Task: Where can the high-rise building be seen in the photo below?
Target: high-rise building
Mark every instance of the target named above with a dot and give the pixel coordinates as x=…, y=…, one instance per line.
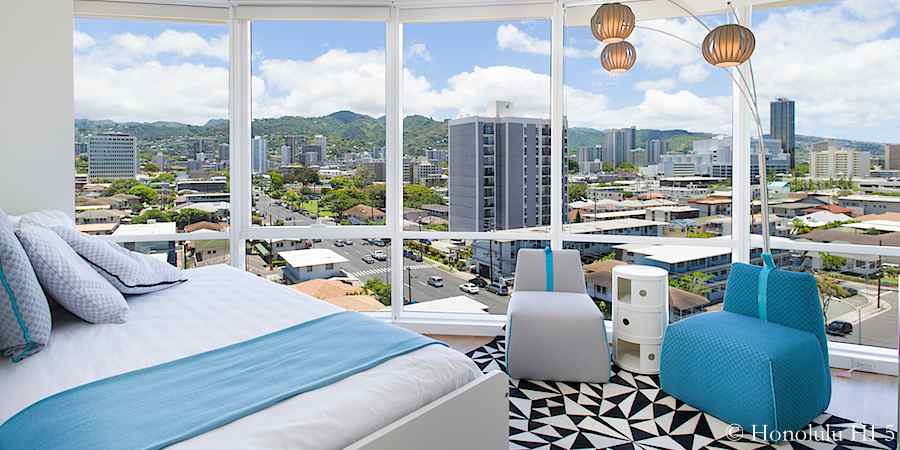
x=619, y=142
x=224, y=152
x=655, y=149
x=301, y=151
x=436, y=155
x=202, y=145
x=638, y=157
x=112, y=155
x=259, y=149
x=81, y=148
x=589, y=158
x=892, y=156
x=838, y=163
x=161, y=161
x=499, y=172
x=782, y=122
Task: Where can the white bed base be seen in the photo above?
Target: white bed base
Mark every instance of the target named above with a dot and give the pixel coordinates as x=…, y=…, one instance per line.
x=475, y=416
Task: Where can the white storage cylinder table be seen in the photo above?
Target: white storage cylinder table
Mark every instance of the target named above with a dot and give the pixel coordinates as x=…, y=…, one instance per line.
x=640, y=313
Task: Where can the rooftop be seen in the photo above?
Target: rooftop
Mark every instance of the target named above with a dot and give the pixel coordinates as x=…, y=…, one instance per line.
x=674, y=254
x=312, y=257
x=871, y=198
x=145, y=228
x=458, y=304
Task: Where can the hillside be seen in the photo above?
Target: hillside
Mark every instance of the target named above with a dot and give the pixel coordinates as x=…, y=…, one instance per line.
x=348, y=131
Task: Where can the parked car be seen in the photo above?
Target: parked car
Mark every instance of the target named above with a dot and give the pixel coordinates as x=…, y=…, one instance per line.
x=469, y=288
x=436, y=281
x=498, y=288
x=380, y=256
x=473, y=268
x=413, y=255
x=368, y=259
x=348, y=242
x=478, y=281
x=338, y=243
x=839, y=328
x=377, y=242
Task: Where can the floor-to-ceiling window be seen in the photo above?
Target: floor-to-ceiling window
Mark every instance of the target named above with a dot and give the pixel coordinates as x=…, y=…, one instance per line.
x=151, y=145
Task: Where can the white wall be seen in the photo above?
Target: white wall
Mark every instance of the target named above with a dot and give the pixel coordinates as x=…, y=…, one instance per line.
x=36, y=106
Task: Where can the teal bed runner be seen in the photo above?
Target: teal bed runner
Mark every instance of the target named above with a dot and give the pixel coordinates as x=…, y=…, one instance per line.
x=159, y=406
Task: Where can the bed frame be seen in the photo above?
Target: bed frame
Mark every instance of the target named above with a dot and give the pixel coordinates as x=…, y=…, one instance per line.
x=475, y=416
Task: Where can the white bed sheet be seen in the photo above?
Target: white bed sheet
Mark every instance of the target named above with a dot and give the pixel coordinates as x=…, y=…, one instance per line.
x=219, y=306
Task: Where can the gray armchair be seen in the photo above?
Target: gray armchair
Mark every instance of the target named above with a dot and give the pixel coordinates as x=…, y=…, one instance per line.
x=557, y=335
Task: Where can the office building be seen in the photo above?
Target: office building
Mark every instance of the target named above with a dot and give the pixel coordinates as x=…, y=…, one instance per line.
x=436, y=155
x=112, y=155
x=202, y=145
x=638, y=157
x=299, y=150
x=419, y=172
x=81, y=148
x=837, y=163
x=375, y=169
x=589, y=159
x=655, y=149
x=161, y=161
x=259, y=155
x=892, y=156
x=500, y=172
x=782, y=123
x=619, y=142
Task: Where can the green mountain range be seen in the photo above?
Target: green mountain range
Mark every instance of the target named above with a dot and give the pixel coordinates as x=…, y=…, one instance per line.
x=348, y=131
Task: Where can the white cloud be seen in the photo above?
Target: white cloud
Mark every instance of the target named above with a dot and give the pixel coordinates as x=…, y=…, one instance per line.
x=419, y=50
x=182, y=44
x=123, y=79
x=659, y=51
x=838, y=63
x=510, y=37
x=693, y=73
x=82, y=41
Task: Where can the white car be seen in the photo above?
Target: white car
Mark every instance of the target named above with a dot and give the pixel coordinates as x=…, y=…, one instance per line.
x=469, y=288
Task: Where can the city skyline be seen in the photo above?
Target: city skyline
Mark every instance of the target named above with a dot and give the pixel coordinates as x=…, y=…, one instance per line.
x=661, y=93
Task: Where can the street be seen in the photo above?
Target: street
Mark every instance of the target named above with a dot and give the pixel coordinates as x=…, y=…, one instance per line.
x=272, y=211
x=421, y=272
x=879, y=326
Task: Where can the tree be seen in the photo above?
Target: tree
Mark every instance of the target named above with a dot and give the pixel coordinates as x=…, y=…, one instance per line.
x=380, y=289
x=342, y=183
x=153, y=214
x=828, y=290
x=276, y=180
x=692, y=282
x=577, y=191
x=120, y=186
x=608, y=167
x=146, y=193
x=627, y=167
x=832, y=263
x=572, y=165
x=188, y=216
x=151, y=167
x=164, y=177
x=340, y=200
x=800, y=227
x=416, y=195
x=375, y=195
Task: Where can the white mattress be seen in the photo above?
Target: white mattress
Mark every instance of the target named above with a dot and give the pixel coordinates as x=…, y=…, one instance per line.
x=217, y=307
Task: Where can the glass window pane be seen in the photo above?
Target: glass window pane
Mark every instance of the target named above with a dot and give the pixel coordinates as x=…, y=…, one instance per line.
x=843, y=136
x=184, y=254
x=649, y=150
x=476, y=134
x=317, y=152
x=151, y=124
x=354, y=274
x=460, y=276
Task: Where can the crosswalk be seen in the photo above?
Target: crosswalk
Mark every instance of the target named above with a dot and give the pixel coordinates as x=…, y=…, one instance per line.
x=381, y=270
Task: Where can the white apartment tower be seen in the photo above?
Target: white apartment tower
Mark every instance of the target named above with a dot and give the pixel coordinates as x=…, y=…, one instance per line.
x=836, y=163
x=112, y=155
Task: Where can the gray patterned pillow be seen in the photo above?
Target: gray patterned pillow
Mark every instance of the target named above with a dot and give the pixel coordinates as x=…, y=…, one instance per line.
x=24, y=313
x=129, y=272
x=69, y=279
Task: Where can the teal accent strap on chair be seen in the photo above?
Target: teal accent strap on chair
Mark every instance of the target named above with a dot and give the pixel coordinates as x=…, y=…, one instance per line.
x=762, y=296
x=548, y=253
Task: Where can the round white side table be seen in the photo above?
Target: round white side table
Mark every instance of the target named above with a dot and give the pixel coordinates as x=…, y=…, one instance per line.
x=640, y=314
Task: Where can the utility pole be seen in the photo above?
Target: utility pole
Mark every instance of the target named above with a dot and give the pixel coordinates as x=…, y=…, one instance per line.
x=409, y=283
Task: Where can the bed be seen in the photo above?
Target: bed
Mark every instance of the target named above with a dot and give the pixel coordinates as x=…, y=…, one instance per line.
x=433, y=397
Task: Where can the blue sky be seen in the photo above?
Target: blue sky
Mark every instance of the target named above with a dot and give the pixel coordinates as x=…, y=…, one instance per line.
x=822, y=56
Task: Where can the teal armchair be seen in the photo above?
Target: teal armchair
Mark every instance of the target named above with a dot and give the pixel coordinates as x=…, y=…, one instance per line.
x=760, y=365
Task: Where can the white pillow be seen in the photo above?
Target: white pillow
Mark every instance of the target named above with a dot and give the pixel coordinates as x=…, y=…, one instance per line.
x=69, y=279
x=129, y=272
x=44, y=218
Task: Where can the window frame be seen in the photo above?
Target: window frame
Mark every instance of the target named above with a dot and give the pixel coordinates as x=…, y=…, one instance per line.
x=395, y=15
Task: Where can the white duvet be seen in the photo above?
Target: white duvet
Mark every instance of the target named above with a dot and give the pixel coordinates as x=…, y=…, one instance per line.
x=219, y=306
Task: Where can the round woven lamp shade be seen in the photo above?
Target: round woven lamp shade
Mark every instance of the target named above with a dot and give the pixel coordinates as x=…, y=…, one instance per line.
x=612, y=22
x=618, y=57
x=728, y=45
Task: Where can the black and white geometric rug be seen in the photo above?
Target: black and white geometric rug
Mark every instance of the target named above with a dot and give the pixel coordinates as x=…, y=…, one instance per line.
x=631, y=412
